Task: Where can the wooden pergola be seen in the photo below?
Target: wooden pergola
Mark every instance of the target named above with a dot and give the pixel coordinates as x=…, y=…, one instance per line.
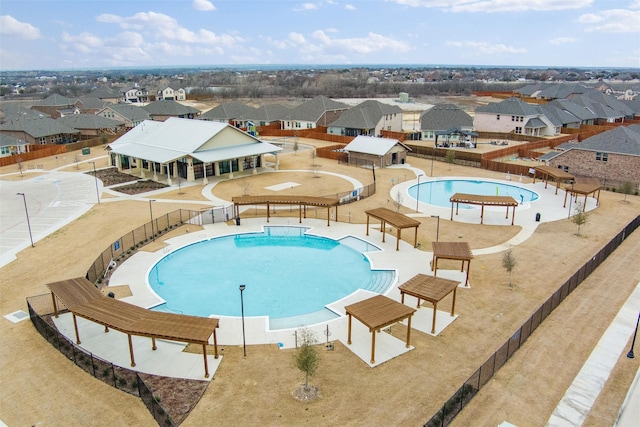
x=83, y=299
x=432, y=289
x=459, y=251
x=476, y=199
x=301, y=201
x=379, y=312
x=548, y=171
x=395, y=219
x=584, y=187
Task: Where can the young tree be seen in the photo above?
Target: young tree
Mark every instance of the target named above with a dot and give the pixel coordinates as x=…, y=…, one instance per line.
x=509, y=262
x=245, y=186
x=398, y=201
x=580, y=216
x=626, y=188
x=295, y=145
x=450, y=157
x=307, y=358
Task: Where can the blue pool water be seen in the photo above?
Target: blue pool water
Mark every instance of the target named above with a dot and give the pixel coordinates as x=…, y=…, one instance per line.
x=439, y=192
x=286, y=272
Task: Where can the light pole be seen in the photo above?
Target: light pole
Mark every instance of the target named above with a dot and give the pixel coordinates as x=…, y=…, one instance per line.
x=630, y=355
x=244, y=342
x=96, y=178
x=418, y=193
x=26, y=211
x=153, y=233
x=437, y=226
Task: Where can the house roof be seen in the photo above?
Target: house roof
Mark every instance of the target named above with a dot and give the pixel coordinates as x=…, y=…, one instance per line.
x=175, y=138
x=266, y=113
x=510, y=106
x=561, y=90
x=372, y=145
x=38, y=128
x=365, y=115
x=535, y=123
x=131, y=112
x=105, y=93
x=557, y=115
x=445, y=116
x=14, y=111
x=89, y=103
x=228, y=111
x=89, y=121
x=9, y=141
x=55, y=100
x=579, y=111
x=621, y=140
x=312, y=110
x=169, y=108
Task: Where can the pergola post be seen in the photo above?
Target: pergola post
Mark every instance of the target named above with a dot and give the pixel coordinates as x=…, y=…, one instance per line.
x=55, y=305
x=373, y=346
x=349, y=330
x=206, y=364
x=409, y=331
x=75, y=328
x=153, y=344
x=133, y=361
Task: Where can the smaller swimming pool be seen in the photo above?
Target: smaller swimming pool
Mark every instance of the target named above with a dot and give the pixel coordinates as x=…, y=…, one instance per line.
x=439, y=192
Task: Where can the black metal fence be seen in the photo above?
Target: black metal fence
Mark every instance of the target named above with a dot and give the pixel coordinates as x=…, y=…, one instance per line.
x=41, y=308
x=471, y=386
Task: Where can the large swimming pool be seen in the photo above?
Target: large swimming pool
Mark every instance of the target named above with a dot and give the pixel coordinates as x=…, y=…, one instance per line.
x=287, y=273
x=439, y=192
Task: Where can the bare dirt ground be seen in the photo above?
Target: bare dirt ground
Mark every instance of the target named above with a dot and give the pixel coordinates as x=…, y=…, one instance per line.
x=41, y=387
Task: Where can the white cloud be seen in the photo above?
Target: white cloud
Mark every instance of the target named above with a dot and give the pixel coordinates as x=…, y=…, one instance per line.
x=352, y=7
x=562, y=40
x=10, y=26
x=305, y=7
x=612, y=21
x=482, y=48
x=362, y=45
x=497, y=5
x=204, y=5
x=635, y=4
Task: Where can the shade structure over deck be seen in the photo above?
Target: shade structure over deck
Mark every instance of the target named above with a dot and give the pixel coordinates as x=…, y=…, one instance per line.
x=376, y=313
x=476, y=199
x=432, y=289
x=301, y=201
x=547, y=172
x=459, y=251
x=83, y=299
x=583, y=187
x=395, y=219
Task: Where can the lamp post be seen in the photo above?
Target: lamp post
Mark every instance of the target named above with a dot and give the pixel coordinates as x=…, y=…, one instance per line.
x=96, y=178
x=153, y=233
x=437, y=226
x=244, y=342
x=26, y=211
x=630, y=355
x=418, y=193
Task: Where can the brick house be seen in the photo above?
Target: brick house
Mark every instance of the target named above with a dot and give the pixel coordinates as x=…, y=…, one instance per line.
x=612, y=156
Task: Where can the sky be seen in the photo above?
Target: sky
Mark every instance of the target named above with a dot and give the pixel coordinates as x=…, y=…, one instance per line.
x=77, y=34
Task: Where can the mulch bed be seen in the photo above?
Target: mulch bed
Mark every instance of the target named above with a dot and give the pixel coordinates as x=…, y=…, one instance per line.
x=112, y=177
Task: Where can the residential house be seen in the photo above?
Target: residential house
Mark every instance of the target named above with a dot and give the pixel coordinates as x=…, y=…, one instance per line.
x=162, y=110
x=513, y=115
x=169, y=94
x=611, y=156
x=380, y=152
x=367, y=118
x=57, y=106
x=607, y=107
x=130, y=115
x=10, y=146
x=136, y=94
x=319, y=111
x=584, y=115
x=228, y=112
x=92, y=125
x=446, y=119
x=44, y=130
x=188, y=149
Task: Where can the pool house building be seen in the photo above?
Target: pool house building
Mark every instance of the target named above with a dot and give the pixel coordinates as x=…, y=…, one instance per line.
x=188, y=149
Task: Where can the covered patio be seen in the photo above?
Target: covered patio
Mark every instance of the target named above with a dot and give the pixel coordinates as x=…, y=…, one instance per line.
x=476, y=199
x=550, y=172
x=395, y=219
x=301, y=201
